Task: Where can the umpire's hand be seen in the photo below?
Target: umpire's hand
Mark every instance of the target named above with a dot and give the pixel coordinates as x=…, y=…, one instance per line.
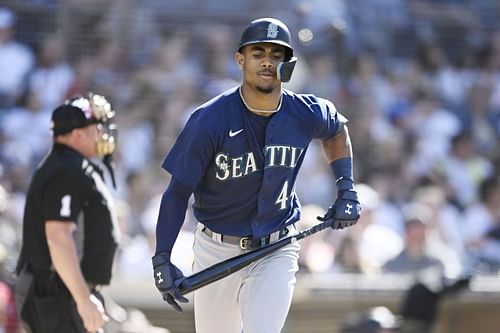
x=91, y=311
x=346, y=210
x=168, y=279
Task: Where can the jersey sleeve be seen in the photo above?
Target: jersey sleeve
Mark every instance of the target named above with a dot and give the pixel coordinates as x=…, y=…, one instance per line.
x=171, y=216
x=62, y=197
x=190, y=154
x=330, y=121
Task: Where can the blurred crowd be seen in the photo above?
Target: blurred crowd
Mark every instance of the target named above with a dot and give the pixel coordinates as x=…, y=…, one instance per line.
x=419, y=81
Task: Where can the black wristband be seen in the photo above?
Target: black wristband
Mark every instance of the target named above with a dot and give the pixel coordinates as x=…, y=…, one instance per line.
x=342, y=167
x=160, y=259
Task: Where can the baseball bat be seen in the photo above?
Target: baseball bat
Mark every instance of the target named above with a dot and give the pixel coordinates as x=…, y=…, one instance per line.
x=234, y=264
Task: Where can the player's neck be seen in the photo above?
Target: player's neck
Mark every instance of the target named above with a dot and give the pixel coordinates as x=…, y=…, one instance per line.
x=260, y=103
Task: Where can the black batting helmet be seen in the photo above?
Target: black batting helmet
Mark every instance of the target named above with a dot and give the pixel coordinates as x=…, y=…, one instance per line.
x=267, y=30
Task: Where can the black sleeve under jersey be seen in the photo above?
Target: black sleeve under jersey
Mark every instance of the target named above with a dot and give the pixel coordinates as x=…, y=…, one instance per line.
x=173, y=207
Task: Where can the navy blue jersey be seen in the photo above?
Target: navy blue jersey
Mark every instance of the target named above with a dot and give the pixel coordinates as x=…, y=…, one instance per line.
x=241, y=188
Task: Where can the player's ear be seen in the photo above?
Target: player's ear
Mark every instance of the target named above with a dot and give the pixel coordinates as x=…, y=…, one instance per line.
x=240, y=60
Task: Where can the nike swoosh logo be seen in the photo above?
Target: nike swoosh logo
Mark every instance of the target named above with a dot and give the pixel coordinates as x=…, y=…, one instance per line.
x=231, y=133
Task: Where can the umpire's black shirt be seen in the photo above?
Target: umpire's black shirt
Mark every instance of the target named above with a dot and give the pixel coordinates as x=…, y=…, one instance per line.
x=68, y=187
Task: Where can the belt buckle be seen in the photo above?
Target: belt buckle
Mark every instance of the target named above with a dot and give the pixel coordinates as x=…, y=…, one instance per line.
x=245, y=243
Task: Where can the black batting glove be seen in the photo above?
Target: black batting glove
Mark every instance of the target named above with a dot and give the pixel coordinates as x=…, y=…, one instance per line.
x=168, y=279
x=346, y=210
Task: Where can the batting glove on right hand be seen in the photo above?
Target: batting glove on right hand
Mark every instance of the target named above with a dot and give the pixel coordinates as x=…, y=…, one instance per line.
x=346, y=210
x=168, y=279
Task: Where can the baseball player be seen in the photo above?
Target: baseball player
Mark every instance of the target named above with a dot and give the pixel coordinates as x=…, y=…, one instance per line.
x=239, y=154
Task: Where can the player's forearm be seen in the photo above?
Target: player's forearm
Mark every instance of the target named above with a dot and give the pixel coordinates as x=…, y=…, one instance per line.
x=338, y=147
x=64, y=258
x=171, y=216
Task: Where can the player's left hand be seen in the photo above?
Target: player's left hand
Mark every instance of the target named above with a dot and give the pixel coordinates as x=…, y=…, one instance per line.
x=345, y=211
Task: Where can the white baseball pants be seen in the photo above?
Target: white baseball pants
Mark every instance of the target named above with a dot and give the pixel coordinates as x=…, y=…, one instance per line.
x=255, y=299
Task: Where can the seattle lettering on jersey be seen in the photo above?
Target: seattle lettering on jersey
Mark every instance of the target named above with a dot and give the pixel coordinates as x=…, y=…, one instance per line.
x=274, y=156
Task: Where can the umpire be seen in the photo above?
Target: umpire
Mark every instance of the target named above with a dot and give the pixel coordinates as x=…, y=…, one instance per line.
x=69, y=229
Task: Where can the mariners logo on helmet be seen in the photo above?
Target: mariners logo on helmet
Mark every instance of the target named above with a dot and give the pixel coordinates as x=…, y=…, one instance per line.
x=272, y=30
x=268, y=30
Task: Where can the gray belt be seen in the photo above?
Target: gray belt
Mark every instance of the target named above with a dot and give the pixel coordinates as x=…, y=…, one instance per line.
x=247, y=243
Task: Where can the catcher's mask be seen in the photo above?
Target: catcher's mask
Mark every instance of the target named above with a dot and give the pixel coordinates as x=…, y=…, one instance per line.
x=79, y=112
x=271, y=30
x=82, y=111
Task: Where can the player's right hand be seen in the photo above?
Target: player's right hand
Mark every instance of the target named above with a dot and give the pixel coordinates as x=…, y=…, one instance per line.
x=346, y=210
x=168, y=279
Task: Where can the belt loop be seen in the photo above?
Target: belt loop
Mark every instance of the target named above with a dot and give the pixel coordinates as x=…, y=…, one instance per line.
x=217, y=237
x=274, y=236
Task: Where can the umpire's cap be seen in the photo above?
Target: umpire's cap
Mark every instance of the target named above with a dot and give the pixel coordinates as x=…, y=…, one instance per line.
x=267, y=30
x=74, y=113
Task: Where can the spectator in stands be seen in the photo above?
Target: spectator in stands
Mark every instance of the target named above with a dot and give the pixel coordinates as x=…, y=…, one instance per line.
x=16, y=60
x=447, y=22
x=482, y=118
x=164, y=87
x=432, y=128
x=27, y=126
x=386, y=37
x=347, y=258
x=317, y=252
x=221, y=73
x=481, y=228
x=376, y=241
x=52, y=77
x=315, y=175
x=327, y=80
x=414, y=256
x=464, y=168
x=368, y=81
x=443, y=237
